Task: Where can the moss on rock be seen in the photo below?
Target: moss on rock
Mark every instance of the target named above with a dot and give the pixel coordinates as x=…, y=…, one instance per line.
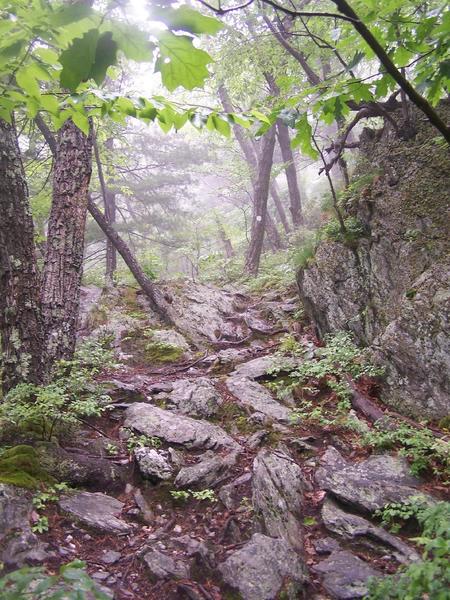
x=20, y=466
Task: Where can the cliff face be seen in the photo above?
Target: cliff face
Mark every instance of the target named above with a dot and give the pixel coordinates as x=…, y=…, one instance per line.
x=391, y=286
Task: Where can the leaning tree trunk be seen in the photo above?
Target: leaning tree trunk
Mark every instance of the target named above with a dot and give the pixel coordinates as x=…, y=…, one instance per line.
x=155, y=297
x=20, y=324
x=63, y=267
x=260, y=203
x=291, y=174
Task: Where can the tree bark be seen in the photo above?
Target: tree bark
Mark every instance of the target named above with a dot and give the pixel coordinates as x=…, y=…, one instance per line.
x=20, y=323
x=63, y=267
x=260, y=203
x=291, y=174
x=225, y=240
x=155, y=297
x=279, y=206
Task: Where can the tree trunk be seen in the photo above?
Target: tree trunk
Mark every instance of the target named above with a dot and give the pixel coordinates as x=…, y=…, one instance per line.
x=20, y=323
x=291, y=174
x=155, y=297
x=279, y=206
x=63, y=267
x=260, y=203
x=225, y=240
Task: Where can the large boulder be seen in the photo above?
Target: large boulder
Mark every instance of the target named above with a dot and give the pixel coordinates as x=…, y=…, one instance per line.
x=258, y=398
x=264, y=568
x=208, y=472
x=278, y=488
x=177, y=429
x=19, y=546
x=369, y=484
x=195, y=397
x=390, y=286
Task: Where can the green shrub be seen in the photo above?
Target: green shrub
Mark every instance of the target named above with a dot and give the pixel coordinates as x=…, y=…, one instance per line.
x=395, y=515
x=428, y=579
x=305, y=250
x=420, y=446
x=70, y=583
x=354, y=230
x=73, y=394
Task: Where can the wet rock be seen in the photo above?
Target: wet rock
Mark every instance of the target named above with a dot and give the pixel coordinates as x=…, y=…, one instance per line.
x=154, y=464
x=198, y=550
x=229, y=356
x=229, y=494
x=263, y=568
x=256, y=396
x=369, y=484
x=207, y=472
x=160, y=387
x=98, y=511
x=80, y=469
x=144, y=507
x=122, y=391
x=345, y=575
x=256, y=439
x=163, y=566
x=357, y=529
x=195, y=397
x=19, y=546
x=278, y=488
x=177, y=429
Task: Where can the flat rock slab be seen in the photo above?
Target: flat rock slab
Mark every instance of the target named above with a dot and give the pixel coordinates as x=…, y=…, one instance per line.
x=207, y=472
x=367, y=485
x=355, y=528
x=256, y=368
x=256, y=396
x=345, y=575
x=278, y=488
x=195, y=397
x=98, y=511
x=163, y=566
x=263, y=568
x=177, y=429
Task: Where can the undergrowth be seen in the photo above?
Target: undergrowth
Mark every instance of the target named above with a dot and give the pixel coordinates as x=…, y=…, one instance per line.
x=428, y=579
x=47, y=410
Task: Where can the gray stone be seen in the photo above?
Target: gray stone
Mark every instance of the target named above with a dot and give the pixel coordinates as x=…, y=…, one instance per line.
x=369, y=484
x=256, y=439
x=19, y=546
x=109, y=557
x=345, y=575
x=256, y=368
x=207, y=472
x=98, y=511
x=278, y=488
x=171, y=337
x=160, y=387
x=359, y=530
x=177, y=429
x=326, y=545
x=263, y=568
x=154, y=464
x=195, y=397
x=229, y=494
x=163, y=566
x=256, y=396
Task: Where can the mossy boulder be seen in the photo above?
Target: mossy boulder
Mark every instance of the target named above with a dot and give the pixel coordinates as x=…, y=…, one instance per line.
x=20, y=466
x=152, y=346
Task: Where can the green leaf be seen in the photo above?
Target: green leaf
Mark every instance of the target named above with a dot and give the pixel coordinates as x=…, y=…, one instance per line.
x=214, y=122
x=180, y=62
x=302, y=139
x=81, y=121
x=26, y=79
x=70, y=13
x=78, y=59
x=186, y=19
x=105, y=56
x=49, y=103
x=133, y=42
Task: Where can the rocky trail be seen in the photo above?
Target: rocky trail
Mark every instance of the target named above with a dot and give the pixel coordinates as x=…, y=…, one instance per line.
x=197, y=484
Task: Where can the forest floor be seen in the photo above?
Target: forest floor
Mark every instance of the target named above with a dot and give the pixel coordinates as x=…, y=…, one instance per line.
x=208, y=422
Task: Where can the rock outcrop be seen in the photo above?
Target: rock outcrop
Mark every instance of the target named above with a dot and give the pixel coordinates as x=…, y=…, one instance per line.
x=390, y=286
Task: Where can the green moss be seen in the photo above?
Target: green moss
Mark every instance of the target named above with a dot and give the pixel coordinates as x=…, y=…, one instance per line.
x=20, y=466
x=160, y=352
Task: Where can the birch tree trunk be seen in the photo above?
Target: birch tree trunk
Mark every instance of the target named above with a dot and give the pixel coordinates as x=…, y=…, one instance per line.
x=20, y=323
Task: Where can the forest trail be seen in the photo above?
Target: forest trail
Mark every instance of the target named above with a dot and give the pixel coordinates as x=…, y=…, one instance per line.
x=202, y=484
